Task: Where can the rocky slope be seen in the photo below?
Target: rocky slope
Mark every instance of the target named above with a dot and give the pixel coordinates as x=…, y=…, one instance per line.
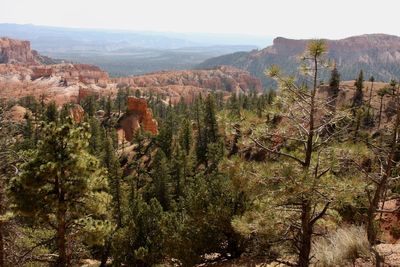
x=376, y=54
x=60, y=82
x=189, y=83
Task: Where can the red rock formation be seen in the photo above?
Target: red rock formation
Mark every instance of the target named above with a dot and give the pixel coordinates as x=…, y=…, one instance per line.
x=41, y=72
x=222, y=78
x=86, y=74
x=138, y=115
x=16, y=51
x=85, y=92
x=53, y=82
x=139, y=106
x=77, y=113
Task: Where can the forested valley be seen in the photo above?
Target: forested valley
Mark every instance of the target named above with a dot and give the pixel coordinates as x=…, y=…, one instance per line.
x=303, y=175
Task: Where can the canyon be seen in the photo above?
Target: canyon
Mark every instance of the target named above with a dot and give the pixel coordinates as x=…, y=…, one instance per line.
x=24, y=72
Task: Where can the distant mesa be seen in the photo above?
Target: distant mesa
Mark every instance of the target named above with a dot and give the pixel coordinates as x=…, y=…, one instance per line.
x=375, y=54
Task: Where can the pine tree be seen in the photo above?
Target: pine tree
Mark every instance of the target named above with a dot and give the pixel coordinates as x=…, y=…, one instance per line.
x=51, y=114
x=359, y=95
x=234, y=105
x=302, y=195
x=61, y=184
x=369, y=118
x=210, y=121
x=166, y=133
x=28, y=133
x=120, y=100
x=393, y=85
x=334, y=82
x=160, y=175
x=97, y=135
x=186, y=136
x=89, y=105
x=114, y=174
x=111, y=163
x=109, y=107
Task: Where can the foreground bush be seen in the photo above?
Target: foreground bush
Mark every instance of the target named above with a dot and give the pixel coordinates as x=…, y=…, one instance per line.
x=341, y=247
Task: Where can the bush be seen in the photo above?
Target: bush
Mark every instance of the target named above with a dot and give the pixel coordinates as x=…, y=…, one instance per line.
x=341, y=247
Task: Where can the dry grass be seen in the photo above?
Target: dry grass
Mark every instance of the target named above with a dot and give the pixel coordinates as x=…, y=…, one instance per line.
x=341, y=247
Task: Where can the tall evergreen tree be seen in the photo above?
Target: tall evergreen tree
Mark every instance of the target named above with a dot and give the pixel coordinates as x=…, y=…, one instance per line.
x=114, y=174
x=210, y=120
x=60, y=185
x=51, y=114
x=334, y=82
x=186, y=136
x=359, y=95
x=160, y=175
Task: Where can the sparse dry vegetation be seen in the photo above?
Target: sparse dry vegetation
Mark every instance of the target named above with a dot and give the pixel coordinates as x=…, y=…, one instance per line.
x=341, y=247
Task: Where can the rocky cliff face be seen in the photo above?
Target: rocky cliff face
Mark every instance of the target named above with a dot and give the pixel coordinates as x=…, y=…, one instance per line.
x=23, y=73
x=16, y=51
x=376, y=54
x=137, y=116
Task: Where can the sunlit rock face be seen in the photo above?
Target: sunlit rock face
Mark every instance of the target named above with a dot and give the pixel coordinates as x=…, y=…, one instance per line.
x=16, y=51
x=138, y=116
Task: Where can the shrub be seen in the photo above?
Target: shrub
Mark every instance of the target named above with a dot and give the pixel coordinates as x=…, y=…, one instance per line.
x=343, y=246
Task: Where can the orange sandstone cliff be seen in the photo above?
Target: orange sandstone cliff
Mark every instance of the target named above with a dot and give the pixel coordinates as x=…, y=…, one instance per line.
x=138, y=116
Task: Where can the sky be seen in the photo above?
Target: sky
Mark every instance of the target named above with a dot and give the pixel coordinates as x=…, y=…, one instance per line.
x=288, y=18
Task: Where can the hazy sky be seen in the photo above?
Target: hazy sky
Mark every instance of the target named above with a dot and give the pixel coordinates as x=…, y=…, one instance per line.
x=289, y=18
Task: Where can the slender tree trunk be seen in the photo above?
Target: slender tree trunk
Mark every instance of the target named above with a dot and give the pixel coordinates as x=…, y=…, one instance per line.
x=62, y=260
x=306, y=235
x=370, y=98
x=380, y=112
x=2, y=254
x=105, y=254
x=306, y=225
x=2, y=208
x=61, y=240
x=309, y=147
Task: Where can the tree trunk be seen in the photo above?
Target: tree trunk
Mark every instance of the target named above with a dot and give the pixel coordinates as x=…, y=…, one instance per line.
x=309, y=146
x=61, y=240
x=2, y=211
x=306, y=235
x=62, y=260
x=105, y=254
x=1, y=246
x=380, y=113
x=370, y=98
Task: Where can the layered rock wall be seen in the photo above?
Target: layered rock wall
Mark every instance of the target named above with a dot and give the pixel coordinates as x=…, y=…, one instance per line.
x=16, y=51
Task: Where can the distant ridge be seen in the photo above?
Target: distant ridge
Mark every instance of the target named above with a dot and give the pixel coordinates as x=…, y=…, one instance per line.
x=375, y=54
